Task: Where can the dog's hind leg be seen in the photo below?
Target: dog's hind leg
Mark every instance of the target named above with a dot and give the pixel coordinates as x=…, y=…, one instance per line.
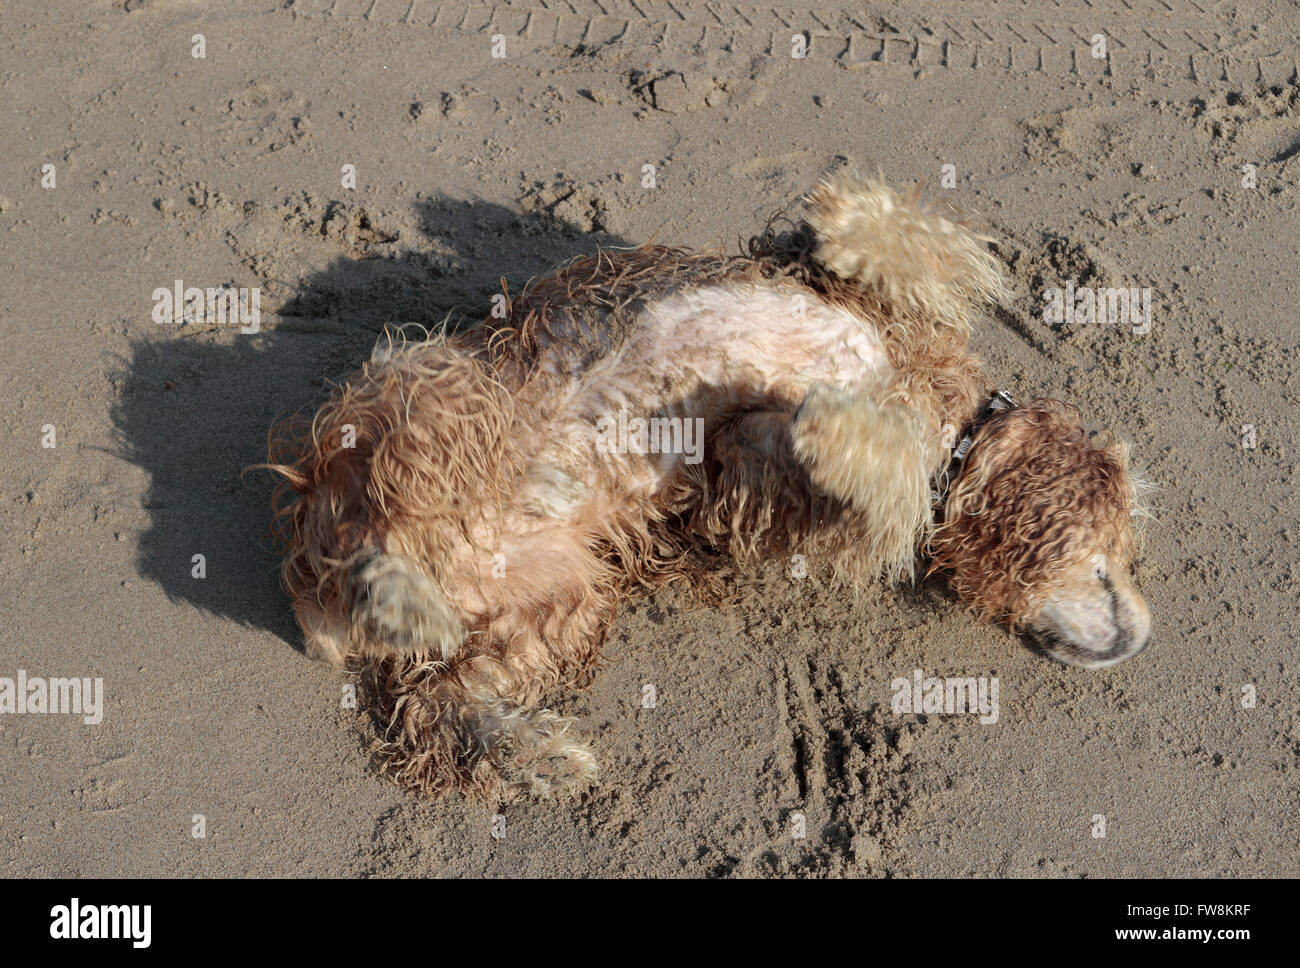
x=871, y=455
x=396, y=608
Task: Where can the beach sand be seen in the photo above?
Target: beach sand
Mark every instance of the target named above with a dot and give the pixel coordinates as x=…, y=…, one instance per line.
x=772, y=712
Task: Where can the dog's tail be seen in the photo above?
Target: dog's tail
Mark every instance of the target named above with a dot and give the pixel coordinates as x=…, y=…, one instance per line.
x=927, y=266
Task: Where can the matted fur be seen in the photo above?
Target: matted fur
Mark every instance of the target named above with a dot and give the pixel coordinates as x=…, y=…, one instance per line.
x=442, y=458
x=384, y=466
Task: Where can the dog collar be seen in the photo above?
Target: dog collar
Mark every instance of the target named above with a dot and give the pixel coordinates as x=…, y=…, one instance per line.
x=1001, y=400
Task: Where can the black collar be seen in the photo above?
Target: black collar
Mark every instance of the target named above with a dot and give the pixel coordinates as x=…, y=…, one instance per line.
x=1001, y=400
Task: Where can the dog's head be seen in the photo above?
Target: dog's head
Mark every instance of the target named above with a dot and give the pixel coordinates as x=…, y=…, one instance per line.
x=1037, y=531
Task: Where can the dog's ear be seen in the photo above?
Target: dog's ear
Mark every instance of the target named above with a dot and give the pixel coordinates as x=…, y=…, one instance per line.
x=869, y=454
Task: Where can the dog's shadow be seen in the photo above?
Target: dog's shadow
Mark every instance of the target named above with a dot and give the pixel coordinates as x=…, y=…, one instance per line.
x=193, y=408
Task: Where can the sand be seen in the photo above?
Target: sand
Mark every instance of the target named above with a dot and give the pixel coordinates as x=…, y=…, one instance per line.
x=772, y=713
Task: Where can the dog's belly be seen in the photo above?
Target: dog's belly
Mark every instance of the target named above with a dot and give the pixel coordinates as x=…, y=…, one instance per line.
x=756, y=340
x=701, y=357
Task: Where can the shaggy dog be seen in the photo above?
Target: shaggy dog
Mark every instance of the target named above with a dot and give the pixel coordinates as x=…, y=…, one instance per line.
x=467, y=512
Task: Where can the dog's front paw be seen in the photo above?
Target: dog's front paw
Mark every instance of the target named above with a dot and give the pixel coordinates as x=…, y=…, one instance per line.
x=396, y=607
x=871, y=456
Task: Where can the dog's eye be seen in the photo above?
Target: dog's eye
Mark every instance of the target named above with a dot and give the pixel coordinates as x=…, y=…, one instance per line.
x=1099, y=566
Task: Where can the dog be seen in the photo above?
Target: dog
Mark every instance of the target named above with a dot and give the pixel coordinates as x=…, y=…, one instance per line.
x=465, y=514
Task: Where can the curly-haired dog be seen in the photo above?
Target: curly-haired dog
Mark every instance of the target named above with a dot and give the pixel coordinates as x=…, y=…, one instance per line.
x=466, y=512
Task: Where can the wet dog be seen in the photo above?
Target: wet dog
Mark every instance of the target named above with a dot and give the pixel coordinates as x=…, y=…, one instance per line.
x=467, y=512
